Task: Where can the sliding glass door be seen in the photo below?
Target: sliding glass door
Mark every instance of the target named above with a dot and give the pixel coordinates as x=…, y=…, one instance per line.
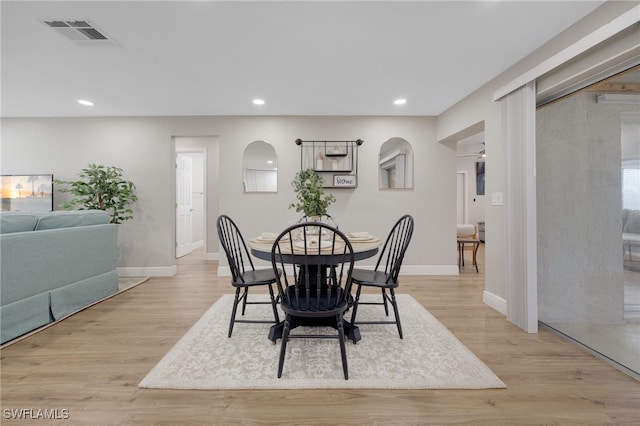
x=588, y=217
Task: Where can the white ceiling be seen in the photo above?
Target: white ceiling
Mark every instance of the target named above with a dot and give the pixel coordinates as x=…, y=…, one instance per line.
x=301, y=57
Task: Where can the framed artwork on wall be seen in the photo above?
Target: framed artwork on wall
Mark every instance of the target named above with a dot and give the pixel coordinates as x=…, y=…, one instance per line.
x=27, y=193
x=480, y=178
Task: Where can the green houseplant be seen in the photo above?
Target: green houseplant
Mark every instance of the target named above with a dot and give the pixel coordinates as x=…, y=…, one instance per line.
x=102, y=188
x=311, y=198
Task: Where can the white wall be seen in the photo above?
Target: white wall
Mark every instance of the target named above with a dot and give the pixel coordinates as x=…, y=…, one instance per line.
x=144, y=148
x=141, y=148
x=363, y=208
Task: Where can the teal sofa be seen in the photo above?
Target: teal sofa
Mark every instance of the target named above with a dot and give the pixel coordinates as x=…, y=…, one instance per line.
x=52, y=265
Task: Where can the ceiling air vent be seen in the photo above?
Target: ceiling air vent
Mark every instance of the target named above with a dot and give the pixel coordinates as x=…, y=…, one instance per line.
x=81, y=32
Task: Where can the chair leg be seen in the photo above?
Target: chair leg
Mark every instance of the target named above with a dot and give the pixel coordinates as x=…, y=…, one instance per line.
x=384, y=300
x=244, y=300
x=283, y=345
x=343, y=349
x=395, y=310
x=233, y=311
x=274, y=304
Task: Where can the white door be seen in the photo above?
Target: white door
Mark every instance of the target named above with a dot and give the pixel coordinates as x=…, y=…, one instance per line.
x=184, y=205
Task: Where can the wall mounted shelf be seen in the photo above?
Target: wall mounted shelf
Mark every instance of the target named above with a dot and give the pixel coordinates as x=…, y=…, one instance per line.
x=335, y=161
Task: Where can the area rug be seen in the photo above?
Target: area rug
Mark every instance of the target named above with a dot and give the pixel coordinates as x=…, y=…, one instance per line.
x=127, y=283
x=429, y=356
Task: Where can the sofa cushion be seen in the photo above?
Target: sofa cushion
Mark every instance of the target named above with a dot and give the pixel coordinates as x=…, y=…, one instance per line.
x=70, y=219
x=17, y=222
x=466, y=231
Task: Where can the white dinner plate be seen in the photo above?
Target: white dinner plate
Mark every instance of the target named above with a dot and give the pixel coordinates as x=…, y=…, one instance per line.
x=270, y=240
x=360, y=238
x=313, y=244
x=359, y=235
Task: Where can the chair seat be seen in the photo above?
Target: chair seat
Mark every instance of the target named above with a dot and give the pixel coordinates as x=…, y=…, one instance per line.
x=372, y=278
x=300, y=307
x=257, y=277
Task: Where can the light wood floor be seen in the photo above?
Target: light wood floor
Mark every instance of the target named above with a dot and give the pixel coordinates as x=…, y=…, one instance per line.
x=91, y=363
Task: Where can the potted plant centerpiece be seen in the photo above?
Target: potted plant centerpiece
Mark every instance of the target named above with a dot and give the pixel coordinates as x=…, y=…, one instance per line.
x=311, y=198
x=101, y=188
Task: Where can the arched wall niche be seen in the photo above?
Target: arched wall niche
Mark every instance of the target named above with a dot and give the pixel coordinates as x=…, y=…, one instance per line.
x=260, y=167
x=395, y=164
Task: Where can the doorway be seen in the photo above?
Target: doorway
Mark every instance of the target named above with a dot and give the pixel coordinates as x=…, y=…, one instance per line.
x=191, y=195
x=470, y=183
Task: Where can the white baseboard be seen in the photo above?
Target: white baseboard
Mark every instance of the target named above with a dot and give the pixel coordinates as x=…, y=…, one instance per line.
x=495, y=302
x=197, y=244
x=148, y=271
x=429, y=270
x=157, y=271
x=212, y=256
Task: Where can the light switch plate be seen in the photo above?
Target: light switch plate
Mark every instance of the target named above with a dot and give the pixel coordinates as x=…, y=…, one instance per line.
x=497, y=199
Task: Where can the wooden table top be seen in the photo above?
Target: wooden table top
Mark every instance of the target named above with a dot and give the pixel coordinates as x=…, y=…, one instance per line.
x=362, y=249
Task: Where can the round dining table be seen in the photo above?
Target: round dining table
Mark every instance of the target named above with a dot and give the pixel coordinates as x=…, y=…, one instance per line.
x=362, y=249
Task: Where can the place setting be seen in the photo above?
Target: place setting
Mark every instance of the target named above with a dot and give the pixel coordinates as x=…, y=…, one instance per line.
x=362, y=237
x=266, y=238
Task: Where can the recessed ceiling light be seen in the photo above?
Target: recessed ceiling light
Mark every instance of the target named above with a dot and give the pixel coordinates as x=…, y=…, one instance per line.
x=400, y=101
x=85, y=102
x=258, y=101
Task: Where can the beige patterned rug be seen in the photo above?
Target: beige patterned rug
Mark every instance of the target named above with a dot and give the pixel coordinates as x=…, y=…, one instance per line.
x=127, y=283
x=429, y=356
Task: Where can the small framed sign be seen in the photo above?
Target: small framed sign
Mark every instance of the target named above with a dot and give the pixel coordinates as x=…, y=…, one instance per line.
x=344, y=181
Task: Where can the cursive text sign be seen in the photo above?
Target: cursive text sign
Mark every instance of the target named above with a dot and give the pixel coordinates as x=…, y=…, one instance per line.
x=344, y=181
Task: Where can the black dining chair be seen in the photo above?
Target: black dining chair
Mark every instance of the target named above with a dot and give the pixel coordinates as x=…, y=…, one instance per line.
x=323, y=218
x=385, y=275
x=243, y=272
x=317, y=291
